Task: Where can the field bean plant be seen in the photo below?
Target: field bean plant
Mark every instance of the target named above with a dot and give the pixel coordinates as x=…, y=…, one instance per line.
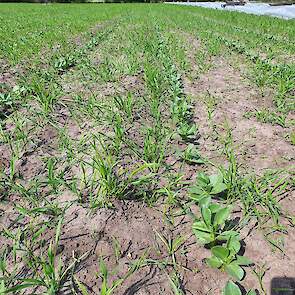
x=145, y=149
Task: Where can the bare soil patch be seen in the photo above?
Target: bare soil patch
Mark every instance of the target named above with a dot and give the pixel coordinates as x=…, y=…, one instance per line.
x=260, y=145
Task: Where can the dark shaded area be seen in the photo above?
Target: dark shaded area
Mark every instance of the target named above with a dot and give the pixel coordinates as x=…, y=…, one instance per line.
x=283, y=286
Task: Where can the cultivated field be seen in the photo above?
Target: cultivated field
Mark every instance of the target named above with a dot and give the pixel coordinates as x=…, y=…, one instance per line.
x=145, y=149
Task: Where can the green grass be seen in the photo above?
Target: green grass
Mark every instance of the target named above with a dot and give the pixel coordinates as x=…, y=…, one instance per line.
x=28, y=28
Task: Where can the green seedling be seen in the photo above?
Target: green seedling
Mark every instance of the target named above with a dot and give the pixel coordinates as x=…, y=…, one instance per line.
x=175, y=283
x=191, y=155
x=54, y=180
x=63, y=63
x=181, y=110
x=210, y=227
x=46, y=93
x=7, y=103
x=187, y=131
x=12, y=168
x=259, y=271
x=50, y=272
x=172, y=245
x=107, y=70
x=105, y=168
x=266, y=116
x=152, y=48
x=125, y=104
x=207, y=186
x=227, y=259
x=117, y=248
x=233, y=289
x=154, y=82
x=154, y=145
x=104, y=274
x=211, y=103
x=118, y=132
x=107, y=287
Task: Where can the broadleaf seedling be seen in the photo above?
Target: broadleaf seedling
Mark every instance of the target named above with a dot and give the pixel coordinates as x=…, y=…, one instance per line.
x=211, y=228
x=191, y=155
x=227, y=259
x=207, y=186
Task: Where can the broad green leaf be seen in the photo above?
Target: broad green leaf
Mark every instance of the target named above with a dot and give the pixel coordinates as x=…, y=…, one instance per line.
x=203, y=179
x=203, y=238
x=195, y=190
x=220, y=252
x=251, y=292
x=218, y=188
x=206, y=214
x=214, y=262
x=201, y=232
x=226, y=235
x=197, y=193
x=201, y=226
x=242, y=260
x=234, y=244
x=205, y=200
x=235, y=271
x=231, y=289
x=222, y=215
x=215, y=179
x=214, y=207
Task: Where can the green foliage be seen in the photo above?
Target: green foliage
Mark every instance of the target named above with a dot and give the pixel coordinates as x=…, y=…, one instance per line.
x=226, y=258
x=63, y=63
x=154, y=145
x=125, y=104
x=207, y=186
x=191, y=155
x=211, y=228
x=181, y=110
x=175, y=284
x=231, y=289
x=188, y=132
x=266, y=116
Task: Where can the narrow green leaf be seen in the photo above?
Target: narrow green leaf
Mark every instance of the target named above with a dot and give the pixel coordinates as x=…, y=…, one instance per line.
x=206, y=215
x=81, y=287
